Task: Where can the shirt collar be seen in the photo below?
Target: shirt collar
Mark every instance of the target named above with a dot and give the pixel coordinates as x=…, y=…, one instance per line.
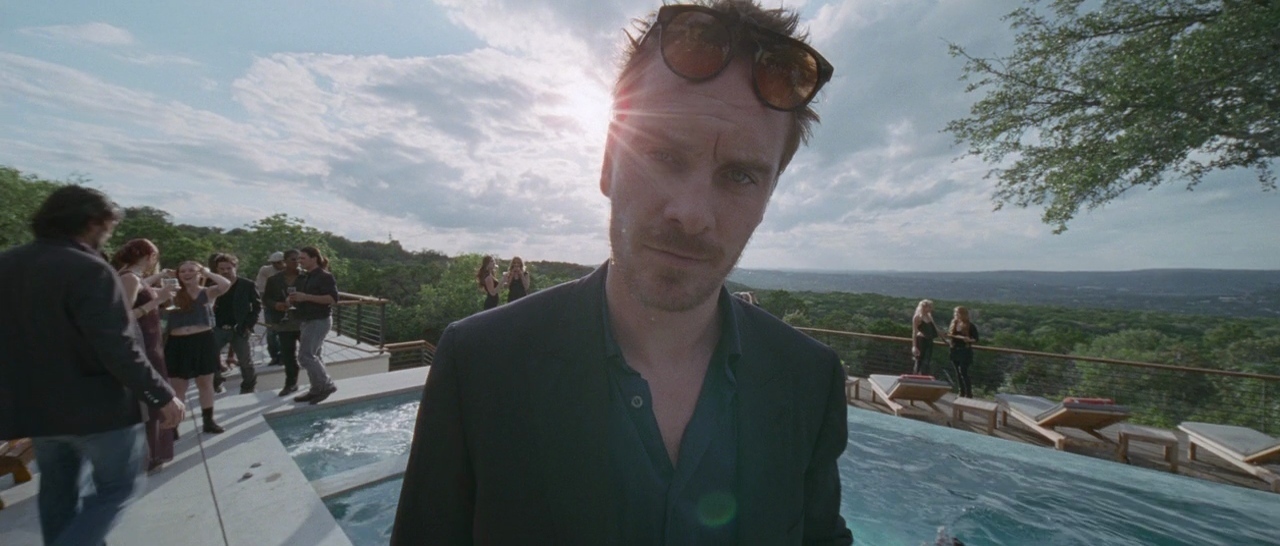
x=729, y=345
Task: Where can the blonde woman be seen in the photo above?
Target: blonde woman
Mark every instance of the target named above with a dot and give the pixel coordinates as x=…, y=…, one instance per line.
x=191, y=350
x=963, y=335
x=923, y=332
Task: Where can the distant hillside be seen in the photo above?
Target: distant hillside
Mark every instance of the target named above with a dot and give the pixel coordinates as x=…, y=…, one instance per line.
x=1236, y=293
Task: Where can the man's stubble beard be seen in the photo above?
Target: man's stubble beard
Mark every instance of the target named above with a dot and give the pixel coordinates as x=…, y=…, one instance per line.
x=665, y=288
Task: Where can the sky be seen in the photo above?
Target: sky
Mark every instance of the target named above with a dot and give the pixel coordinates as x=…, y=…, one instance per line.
x=478, y=126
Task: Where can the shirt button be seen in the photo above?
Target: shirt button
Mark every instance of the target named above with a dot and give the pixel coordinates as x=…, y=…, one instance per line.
x=637, y=402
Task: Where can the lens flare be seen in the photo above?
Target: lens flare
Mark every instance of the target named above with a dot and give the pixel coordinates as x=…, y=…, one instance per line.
x=717, y=509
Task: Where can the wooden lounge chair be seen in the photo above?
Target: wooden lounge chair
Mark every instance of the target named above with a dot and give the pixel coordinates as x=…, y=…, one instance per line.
x=894, y=389
x=15, y=455
x=1247, y=449
x=1043, y=416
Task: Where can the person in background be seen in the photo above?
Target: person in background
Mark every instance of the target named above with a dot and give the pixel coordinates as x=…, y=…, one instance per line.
x=488, y=284
x=280, y=321
x=317, y=293
x=516, y=280
x=275, y=264
x=643, y=404
x=137, y=261
x=963, y=334
x=235, y=314
x=230, y=361
x=923, y=332
x=191, y=351
x=73, y=369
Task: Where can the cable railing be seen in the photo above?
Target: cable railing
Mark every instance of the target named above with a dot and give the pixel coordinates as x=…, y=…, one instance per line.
x=1157, y=394
x=360, y=318
x=410, y=354
x=363, y=319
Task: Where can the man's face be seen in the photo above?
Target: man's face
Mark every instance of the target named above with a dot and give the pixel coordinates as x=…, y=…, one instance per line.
x=279, y=266
x=290, y=263
x=307, y=262
x=227, y=269
x=689, y=171
x=100, y=232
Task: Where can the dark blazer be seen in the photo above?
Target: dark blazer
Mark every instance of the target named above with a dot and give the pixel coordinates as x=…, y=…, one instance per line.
x=245, y=302
x=275, y=292
x=511, y=442
x=71, y=357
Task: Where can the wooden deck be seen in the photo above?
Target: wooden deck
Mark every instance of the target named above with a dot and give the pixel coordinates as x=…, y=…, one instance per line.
x=1206, y=467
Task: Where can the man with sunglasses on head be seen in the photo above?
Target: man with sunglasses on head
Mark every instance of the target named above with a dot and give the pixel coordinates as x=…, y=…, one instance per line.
x=643, y=404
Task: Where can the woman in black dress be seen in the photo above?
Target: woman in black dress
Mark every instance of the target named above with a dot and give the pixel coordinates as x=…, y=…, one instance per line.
x=516, y=280
x=963, y=335
x=923, y=332
x=488, y=284
x=136, y=261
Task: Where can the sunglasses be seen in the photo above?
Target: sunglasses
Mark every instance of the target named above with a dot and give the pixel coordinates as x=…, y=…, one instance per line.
x=697, y=43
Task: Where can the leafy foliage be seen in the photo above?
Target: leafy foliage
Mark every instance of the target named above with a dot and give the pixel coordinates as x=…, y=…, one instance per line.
x=1132, y=93
x=22, y=196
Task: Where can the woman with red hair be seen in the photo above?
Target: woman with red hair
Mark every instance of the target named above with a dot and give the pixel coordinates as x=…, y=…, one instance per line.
x=191, y=351
x=136, y=261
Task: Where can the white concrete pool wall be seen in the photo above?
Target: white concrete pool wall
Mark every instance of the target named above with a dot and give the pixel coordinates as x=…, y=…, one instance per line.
x=262, y=497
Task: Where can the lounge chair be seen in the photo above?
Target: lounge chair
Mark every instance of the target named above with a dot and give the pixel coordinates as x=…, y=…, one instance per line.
x=15, y=455
x=894, y=389
x=1247, y=449
x=1043, y=416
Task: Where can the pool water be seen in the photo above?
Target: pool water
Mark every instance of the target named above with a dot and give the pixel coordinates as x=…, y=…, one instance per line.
x=367, y=514
x=904, y=479
x=901, y=480
x=348, y=436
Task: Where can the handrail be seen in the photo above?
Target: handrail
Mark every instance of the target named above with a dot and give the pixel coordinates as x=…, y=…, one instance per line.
x=408, y=345
x=361, y=299
x=1207, y=371
x=1157, y=394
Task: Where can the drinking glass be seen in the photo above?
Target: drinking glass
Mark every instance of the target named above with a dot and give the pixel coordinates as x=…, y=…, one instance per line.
x=172, y=283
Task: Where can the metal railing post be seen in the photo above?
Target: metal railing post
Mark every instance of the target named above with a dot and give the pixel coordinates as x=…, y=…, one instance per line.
x=382, y=324
x=359, y=322
x=1265, y=408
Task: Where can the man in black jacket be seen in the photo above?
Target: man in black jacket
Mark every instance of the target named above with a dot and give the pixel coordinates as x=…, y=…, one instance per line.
x=235, y=313
x=72, y=368
x=643, y=404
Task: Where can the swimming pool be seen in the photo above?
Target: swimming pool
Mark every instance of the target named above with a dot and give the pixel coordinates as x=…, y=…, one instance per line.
x=901, y=480
x=347, y=436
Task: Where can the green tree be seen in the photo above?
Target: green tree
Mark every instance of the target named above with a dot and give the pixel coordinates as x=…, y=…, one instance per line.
x=23, y=194
x=260, y=238
x=455, y=296
x=156, y=225
x=1128, y=93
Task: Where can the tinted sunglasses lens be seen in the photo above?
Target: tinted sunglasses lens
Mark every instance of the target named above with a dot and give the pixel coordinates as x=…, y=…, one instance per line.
x=786, y=75
x=695, y=45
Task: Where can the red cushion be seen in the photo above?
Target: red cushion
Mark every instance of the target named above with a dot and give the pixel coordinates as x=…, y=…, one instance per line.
x=913, y=376
x=1099, y=401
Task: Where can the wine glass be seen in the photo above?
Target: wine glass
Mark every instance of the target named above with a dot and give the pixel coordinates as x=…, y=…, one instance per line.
x=172, y=283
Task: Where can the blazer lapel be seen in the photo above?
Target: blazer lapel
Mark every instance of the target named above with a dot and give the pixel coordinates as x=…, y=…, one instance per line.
x=766, y=481
x=569, y=396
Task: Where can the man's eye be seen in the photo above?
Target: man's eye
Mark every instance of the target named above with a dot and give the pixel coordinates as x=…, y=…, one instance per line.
x=740, y=177
x=662, y=156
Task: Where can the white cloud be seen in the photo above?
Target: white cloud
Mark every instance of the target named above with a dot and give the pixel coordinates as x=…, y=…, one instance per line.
x=87, y=33
x=150, y=59
x=498, y=149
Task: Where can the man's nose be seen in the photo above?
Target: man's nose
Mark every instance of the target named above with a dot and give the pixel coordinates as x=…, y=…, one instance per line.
x=691, y=202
